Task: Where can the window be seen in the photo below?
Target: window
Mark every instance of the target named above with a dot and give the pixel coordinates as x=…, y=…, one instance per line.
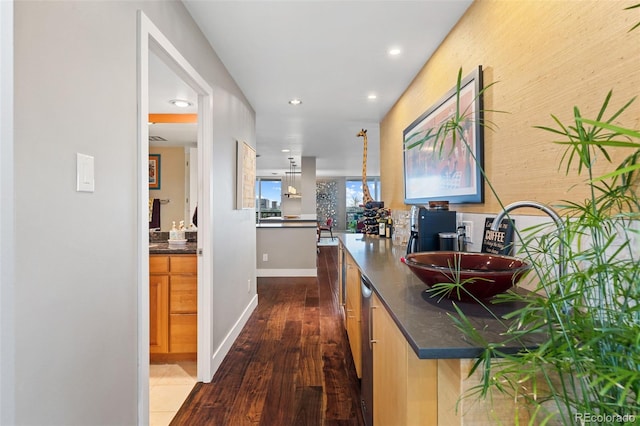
x=355, y=196
x=268, y=198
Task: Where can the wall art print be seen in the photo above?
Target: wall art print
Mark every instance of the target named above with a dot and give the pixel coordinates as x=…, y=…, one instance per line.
x=450, y=173
x=246, y=176
x=154, y=171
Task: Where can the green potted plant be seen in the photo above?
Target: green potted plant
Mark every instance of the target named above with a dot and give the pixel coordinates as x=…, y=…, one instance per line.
x=587, y=368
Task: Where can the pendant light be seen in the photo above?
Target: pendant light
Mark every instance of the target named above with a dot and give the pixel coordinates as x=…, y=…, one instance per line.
x=292, y=192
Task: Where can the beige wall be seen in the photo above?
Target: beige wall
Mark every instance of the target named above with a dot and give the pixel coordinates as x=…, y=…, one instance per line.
x=546, y=56
x=172, y=186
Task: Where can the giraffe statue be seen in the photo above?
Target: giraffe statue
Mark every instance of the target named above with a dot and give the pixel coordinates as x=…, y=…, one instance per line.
x=366, y=198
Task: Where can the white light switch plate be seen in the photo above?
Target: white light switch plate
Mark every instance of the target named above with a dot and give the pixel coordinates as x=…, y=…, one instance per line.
x=85, y=181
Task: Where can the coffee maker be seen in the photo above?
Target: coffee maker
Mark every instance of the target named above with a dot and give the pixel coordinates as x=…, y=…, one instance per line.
x=426, y=225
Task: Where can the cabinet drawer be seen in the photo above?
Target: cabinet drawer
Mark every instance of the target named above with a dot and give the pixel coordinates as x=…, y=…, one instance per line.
x=183, y=295
x=158, y=264
x=187, y=263
x=183, y=333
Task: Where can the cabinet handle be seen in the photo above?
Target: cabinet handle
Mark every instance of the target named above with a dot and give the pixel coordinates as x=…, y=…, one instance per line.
x=371, y=340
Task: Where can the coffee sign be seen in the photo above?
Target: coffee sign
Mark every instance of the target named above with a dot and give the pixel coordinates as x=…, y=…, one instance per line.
x=500, y=241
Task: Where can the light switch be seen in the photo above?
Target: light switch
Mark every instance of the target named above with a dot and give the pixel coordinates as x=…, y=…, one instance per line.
x=85, y=181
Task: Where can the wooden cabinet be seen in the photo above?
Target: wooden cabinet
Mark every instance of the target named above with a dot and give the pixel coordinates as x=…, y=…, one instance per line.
x=408, y=390
x=342, y=270
x=352, y=312
x=405, y=388
x=454, y=380
x=173, y=307
x=158, y=313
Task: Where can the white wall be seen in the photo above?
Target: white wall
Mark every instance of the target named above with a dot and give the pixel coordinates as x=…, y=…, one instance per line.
x=290, y=206
x=308, y=185
x=289, y=251
x=75, y=306
x=7, y=337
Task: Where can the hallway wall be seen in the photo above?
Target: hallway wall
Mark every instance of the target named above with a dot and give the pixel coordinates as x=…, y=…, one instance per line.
x=75, y=303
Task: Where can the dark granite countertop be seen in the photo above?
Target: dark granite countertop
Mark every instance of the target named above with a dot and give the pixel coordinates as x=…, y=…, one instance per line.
x=166, y=248
x=159, y=244
x=423, y=320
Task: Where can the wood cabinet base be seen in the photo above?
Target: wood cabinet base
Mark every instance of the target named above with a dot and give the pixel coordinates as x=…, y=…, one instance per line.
x=173, y=319
x=454, y=381
x=172, y=357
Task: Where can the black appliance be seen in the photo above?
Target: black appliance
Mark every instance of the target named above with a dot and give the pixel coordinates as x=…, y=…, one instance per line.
x=425, y=227
x=366, y=330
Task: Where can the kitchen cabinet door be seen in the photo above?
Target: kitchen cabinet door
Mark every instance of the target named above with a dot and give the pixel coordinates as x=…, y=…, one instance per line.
x=404, y=386
x=352, y=313
x=158, y=313
x=389, y=369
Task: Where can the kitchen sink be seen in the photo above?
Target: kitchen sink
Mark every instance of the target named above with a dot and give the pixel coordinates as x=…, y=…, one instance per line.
x=477, y=275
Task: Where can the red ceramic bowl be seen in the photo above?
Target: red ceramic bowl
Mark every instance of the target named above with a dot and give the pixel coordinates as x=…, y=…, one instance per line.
x=484, y=274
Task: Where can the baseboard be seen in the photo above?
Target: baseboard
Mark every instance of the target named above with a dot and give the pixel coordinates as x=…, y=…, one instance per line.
x=312, y=272
x=231, y=337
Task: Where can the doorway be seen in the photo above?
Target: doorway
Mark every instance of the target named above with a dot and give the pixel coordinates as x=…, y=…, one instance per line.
x=173, y=291
x=152, y=41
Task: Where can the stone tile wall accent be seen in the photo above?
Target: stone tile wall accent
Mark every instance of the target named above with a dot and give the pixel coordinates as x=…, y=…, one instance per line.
x=326, y=200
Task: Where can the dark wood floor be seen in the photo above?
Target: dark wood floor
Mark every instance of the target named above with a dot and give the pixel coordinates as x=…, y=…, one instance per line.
x=291, y=365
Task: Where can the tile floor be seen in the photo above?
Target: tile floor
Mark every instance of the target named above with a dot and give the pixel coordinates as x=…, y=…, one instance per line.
x=169, y=386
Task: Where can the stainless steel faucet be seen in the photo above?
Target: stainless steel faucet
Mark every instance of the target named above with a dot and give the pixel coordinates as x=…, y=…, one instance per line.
x=562, y=267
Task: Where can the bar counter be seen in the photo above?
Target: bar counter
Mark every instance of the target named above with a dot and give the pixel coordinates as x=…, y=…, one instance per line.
x=423, y=320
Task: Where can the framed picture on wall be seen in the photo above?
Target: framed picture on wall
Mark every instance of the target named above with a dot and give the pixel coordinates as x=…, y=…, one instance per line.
x=439, y=169
x=246, y=176
x=154, y=171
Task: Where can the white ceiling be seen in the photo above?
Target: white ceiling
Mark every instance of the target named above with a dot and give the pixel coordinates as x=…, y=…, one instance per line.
x=165, y=85
x=330, y=54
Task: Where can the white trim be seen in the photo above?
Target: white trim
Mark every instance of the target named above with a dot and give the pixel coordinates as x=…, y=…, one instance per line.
x=151, y=39
x=143, y=237
x=313, y=272
x=233, y=334
x=7, y=236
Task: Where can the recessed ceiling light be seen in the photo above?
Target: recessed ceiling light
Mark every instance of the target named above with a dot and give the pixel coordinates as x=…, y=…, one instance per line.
x=180, y=103
x=295, y=101
x=395, y=51
x=372, y=96
x=286, y=150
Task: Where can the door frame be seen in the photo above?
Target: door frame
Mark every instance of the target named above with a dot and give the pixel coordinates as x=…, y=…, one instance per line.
x=150, y=38
x=7, y=234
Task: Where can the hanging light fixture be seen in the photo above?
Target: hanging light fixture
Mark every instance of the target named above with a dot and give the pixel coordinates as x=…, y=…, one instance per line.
x=290, y=187
x=292, y=192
